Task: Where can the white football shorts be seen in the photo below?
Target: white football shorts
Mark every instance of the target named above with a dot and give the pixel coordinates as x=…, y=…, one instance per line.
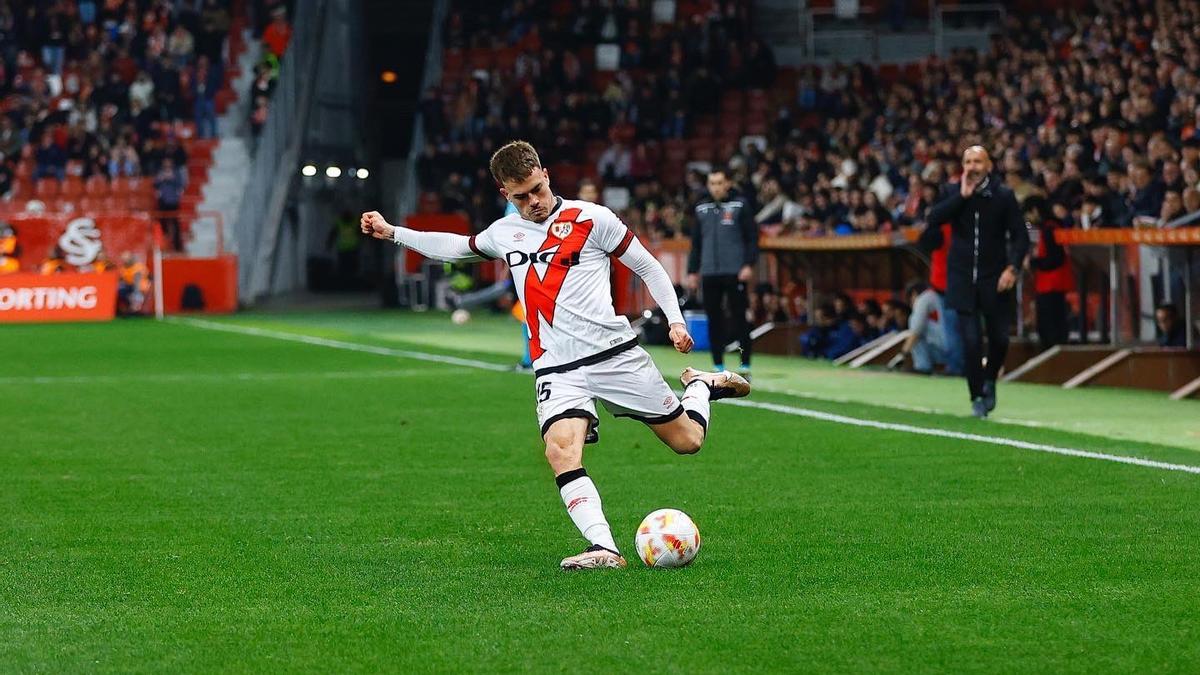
x=627, y=383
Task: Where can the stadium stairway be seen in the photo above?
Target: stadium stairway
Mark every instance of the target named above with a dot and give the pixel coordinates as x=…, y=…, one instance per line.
x=232, y=157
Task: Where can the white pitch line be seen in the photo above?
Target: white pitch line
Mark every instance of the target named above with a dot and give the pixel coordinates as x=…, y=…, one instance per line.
x=774, y=407
x=959, y=435
x=212, y=377
x=340, y=344
x=899, y=406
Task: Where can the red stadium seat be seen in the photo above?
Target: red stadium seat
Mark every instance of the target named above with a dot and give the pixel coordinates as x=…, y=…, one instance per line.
x=675, y=150
x=732, y=102
x=89, y=206
x=453, y=61
x=505, y=59
x=701, y=150
x=126, y=185
x=565, y=175
x=480, y=58
x=47, y=188
x=60, y=205
x=756, y=100
x=672, y=173
x=72, y=187
x=197, y=173
x=22, y=188
x=96, y=186
x=731, y=127
x=429, y=202
x=222, y=101
x=201, y=148
x=594, y=149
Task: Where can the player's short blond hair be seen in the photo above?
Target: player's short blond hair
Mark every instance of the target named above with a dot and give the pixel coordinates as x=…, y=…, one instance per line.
x=514, y=162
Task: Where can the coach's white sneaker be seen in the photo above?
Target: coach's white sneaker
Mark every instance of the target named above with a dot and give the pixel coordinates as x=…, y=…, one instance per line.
x=720, y=385
x=595, y=557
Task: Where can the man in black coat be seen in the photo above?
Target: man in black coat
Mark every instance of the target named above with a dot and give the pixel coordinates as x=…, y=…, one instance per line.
x=721, y=263
x=988, y=245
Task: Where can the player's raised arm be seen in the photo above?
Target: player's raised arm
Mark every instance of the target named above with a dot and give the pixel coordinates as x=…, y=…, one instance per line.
x=437, y=245
x=658, y=282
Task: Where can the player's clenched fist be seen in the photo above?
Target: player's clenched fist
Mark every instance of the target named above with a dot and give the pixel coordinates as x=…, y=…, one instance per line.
x=373, y=223
x=680, y=338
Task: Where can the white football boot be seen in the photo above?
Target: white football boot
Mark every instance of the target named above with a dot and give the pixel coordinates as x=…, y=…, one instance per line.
x=726, y=384
x=595, y=557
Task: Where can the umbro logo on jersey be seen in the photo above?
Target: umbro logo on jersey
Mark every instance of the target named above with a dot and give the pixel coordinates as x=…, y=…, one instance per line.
x=518, y=236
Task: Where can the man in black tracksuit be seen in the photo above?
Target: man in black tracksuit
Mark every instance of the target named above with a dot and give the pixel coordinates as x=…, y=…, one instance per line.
x=987, y=248
x=721, y=263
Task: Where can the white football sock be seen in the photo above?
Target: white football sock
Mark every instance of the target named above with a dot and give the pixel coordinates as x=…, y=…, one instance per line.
x=695, y=402
x=582, y=500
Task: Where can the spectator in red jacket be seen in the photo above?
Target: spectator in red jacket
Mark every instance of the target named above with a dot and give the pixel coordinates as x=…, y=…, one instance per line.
x=278, y=33
x=1052, y=275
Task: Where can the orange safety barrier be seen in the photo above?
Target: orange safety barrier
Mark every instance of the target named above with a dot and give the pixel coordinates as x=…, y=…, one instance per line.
x=38, y=233
x=1180, y=236
x=215, y=278
x=116, y=231
x=59, y=297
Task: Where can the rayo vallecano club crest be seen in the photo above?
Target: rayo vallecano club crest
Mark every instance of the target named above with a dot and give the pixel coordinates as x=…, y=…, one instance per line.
x=561, y=229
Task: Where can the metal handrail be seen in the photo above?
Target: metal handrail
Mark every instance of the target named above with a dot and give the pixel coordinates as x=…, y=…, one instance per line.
x=1182, y=220
x=256, y=227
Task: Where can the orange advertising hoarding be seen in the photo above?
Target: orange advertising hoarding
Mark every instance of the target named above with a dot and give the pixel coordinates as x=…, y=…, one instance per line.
x=58, y=297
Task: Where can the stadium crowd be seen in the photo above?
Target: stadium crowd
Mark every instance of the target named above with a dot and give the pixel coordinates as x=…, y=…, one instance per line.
x=1094, y=114
x=547, y=86
x=1097, y=111
x=93, y=88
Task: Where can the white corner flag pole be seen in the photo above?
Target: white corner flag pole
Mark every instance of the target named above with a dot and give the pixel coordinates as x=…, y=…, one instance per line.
x=158, y=280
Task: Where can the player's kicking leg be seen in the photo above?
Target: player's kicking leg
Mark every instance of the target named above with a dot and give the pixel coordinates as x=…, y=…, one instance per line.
x=564, y=450
x=685, y=434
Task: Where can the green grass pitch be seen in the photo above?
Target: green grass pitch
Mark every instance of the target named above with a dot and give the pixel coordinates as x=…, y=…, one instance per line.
x=177, y=499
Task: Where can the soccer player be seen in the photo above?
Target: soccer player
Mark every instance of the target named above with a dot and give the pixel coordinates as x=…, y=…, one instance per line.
x=558, y=252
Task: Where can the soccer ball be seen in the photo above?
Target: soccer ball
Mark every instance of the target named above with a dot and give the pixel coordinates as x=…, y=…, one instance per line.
x=667, y=538
x=460, y=316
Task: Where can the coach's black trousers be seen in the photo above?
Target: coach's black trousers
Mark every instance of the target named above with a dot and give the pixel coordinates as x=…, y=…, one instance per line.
x=725, y=304
x=995, y=322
